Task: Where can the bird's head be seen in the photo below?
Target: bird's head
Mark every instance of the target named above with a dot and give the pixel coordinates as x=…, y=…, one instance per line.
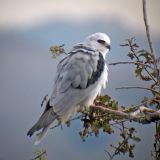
x=100, y=42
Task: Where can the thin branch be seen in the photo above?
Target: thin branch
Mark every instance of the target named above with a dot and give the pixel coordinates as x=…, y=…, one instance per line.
x=137, y=87
x=150, y=75
x=147, y=28
x=149, y=37
x=135, y=63
x=122, y=63
x=119, y=123
x=108, y=154
x=118, y=148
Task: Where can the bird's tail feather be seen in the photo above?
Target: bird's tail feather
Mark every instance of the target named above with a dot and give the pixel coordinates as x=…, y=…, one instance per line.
x=43, y=123
x=41, y=135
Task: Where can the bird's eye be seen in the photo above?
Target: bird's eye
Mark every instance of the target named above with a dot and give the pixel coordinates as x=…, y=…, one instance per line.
x=104, y=43
x=101, y=41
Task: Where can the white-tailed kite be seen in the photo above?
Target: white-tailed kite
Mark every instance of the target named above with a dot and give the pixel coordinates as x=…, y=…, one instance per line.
x=79, y=79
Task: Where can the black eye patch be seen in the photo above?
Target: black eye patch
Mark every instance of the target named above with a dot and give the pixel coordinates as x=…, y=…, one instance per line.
x=101, y=41
x=104, y=43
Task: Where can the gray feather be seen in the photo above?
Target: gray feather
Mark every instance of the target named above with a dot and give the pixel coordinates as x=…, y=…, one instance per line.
x=44, y=121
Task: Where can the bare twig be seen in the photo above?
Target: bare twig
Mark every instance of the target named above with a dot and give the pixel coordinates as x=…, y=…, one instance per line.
x=137, y=87
x=135, y=63
x=147, y=28
x=110, y=156
x=118, y=148
x=149, y=37
x=151, y=75
x=122, y=63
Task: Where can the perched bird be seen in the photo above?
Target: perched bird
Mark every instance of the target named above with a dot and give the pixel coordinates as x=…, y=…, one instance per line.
x=79, y=79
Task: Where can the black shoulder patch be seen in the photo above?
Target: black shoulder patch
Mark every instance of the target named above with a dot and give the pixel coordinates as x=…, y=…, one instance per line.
x=95, y=75
x=100, y=67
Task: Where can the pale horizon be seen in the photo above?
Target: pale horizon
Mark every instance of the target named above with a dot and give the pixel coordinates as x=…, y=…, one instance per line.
x=27, y=14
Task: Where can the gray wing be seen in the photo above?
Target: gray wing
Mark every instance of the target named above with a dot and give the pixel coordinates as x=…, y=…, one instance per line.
x=71, y=81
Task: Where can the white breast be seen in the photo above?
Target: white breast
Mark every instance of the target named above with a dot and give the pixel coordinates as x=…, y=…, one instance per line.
x=95, y=89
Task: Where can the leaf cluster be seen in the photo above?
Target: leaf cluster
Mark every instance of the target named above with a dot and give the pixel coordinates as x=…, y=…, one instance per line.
x=124, y=146
x=146, y=70
x=95, y=120
x=57, y=50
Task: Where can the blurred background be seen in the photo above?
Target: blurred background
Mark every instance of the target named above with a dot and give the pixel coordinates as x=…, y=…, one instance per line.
x=27, y=69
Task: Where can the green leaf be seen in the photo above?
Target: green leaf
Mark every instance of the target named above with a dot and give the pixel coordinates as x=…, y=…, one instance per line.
x=107, y=128
x=104, y=98
x=158, y=127
x=138, y=71
x=130, y=55
x=56, y=50
x=114, y=104
x=145, y=78
x=148, y=57
x=153, y=73
x=131, y=109
x=68, y=123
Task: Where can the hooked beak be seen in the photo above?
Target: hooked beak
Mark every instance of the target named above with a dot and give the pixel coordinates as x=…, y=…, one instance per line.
x=107, y=46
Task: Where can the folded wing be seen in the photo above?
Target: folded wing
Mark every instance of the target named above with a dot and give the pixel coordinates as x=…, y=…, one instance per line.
x=74, y=77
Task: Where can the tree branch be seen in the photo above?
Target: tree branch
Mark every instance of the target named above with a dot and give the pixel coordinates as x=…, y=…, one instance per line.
x=147, y=28
x=141, y=115
x=122, y=63
x=135, y=63
x=137, y=87
x=110, y=156
x=149, y=37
